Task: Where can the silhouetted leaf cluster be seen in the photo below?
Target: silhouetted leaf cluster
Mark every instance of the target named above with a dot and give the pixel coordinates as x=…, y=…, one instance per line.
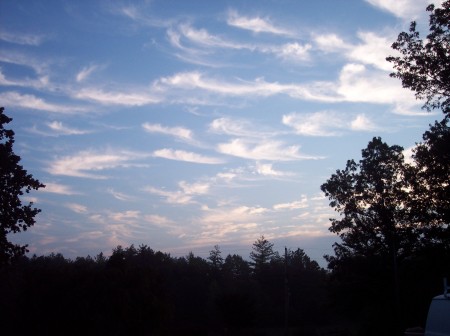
x=424, y=66
x=14, y=181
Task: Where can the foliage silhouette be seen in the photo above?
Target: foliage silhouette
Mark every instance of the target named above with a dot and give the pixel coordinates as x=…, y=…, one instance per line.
x=424, y=67
x=143, y=292
x=14, y=180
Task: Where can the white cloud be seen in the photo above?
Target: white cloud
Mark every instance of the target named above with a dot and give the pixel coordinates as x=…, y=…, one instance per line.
x=229, y=223
x=255, y=24
x=267, y=170
x=159, y=220
x=139, y=15
x=38, y=83
x=200, y=44
x=237, y=127
x=116, y=98
x=12, y=98
x=203, y=37
x=58, y=127
x=262, y=150
x=322, y=91
x=85, y=163
x=373, y=50
x=38, y=65
x=118, y=195
x=184, y=195
x=362, y=123
x=180, y=155
x=86, y=72
x=126, y=217
x=194, y=188
x=358, y=84
x=330, y=43
x=301, y=204
x=321, y=123
x=232, y=215
x=78, y=208
x=181, y=133
x=327, y=123
x=172, y=197
x=294, y=51
x=405, y=9
x=57, y=188
x=20, y=38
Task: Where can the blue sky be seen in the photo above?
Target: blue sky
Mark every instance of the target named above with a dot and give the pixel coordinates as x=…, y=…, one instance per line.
x=186, y=124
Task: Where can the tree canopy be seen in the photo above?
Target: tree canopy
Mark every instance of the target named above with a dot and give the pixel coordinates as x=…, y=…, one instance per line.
x=424, y=66
x=368, y=197
x=14, y=181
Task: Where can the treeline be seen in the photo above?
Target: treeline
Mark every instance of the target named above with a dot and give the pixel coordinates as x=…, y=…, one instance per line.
x=139, y=291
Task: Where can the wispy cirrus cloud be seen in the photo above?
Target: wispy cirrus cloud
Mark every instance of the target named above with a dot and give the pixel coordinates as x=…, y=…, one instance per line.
x=323, y=123
x=203, y=37
x=184, y=195
x=363, y=123
x=139, y=14
x=238, y=127
x=85, y=72
x=116, y=97
x=22, y=38
x=266, y=169
x=13, y=98
x=60, y=128
x=181, y=155
x=271, y=150
x=57, y=128
x=256, y=24
x=327, y=123
x=359, y=84
x=330, y=42
x=86, y=163
x=78, y=208
x=200, y=46
x=229, y=223
x=41, y=67
x=405, y=9
x=293, y=51
x=180, y=133
x=301, y=204
x=41, y=82
x=159, y=220
x=372, y=49
x=119, y=195
x=321, y=91
x=57, y=188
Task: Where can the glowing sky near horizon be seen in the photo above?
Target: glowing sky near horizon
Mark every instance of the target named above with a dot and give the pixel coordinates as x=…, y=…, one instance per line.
x=186, y=124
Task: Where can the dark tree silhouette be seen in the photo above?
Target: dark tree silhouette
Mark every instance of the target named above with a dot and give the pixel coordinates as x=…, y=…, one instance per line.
x=374, y=228
x=14, y=181
x=215, y=258
x=262, y=253
x=429, y=178
x=137, y=291
x=424, y=66
x=368, y=196
x=236, y=267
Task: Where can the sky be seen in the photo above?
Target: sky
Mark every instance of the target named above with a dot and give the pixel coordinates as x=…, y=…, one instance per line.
x=186, y=124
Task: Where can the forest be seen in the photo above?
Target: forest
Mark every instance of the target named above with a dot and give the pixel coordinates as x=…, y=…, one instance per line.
x=391, y=255
x=138, y=291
